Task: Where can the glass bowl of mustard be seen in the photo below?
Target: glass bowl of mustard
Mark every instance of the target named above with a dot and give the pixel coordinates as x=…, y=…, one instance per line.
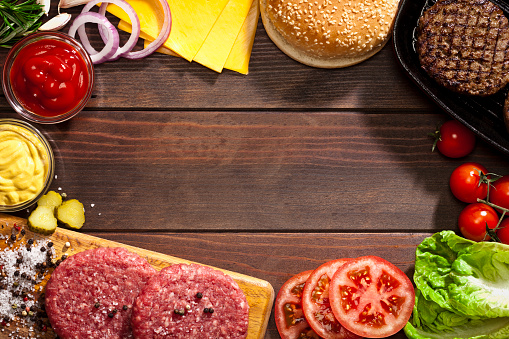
x=27, y=165
x=48, y=77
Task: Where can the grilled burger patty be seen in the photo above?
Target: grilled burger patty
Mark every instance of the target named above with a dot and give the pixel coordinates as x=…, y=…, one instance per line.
x=464, y=45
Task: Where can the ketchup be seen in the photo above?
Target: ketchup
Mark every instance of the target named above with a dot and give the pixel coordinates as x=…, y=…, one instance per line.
x=49, y=77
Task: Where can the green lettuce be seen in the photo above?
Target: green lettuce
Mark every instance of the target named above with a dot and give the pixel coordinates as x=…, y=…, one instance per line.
x=462, y=289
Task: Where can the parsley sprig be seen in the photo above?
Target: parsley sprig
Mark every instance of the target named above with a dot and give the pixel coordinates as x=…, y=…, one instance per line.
x=18, y=20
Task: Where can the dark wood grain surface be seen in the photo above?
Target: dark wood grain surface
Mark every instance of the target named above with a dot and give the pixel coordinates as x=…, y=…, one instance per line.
x=268, y=174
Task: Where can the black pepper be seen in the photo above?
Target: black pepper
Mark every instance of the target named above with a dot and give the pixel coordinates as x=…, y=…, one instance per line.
x=111, y=315
x=50, y=244
x=125, y=307
x=97, y=305
x=199, y=295
x=30, y=241
x=13, y=237
x=43, y=249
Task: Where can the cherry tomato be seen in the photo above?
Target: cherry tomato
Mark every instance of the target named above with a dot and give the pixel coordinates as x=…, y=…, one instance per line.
x=472, y=221
x=499, y=192
x=454, y=140
x=467, y=184
x=503, y=231
x=371, y=297
x=290, y=320
x=316, y=305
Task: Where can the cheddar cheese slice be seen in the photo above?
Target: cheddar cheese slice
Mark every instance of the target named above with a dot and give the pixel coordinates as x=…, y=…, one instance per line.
x=219, y=42
x=239, y=57
x=192, y=20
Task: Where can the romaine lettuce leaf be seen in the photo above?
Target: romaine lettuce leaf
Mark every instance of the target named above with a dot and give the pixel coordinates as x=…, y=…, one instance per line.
x=434, y=260
x=462, y=289
x=481, y=281
x=494, y=328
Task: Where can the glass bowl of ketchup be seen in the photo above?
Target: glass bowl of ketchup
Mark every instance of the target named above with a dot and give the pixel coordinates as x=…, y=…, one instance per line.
x=48, y=77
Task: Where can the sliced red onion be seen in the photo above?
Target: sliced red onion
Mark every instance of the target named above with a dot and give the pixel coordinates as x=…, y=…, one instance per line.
x=135, y=22
x=112, y=43
x=161, y=38
x=108, y=32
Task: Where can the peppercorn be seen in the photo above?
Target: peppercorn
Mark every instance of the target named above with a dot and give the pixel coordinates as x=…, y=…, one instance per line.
x=206, y=310
x=16, y=273
x=30, y=241
x=50, y=244
x=19, y=261
x=111, y=315
x=13, y=237
x=43, y=249
x=23, y=232
x=97, y=305
x=114, y=311
x=199, y=295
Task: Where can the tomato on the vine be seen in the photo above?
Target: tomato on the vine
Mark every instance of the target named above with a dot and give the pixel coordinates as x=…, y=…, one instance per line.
x=499, y=192
x=371, y=297
x=290, y=320
x=453, y=139
x=316, y=303
x=473, y=219
x=469, y=181
x=503, y=231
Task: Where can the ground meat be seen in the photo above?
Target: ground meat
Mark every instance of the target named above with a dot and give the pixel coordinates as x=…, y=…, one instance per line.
x=190, y=301
x=90, y=295
x=464, y=46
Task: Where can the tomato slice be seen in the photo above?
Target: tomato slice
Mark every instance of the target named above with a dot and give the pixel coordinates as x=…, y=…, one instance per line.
x=316, y=305
x=290, y=320
x=371, y=297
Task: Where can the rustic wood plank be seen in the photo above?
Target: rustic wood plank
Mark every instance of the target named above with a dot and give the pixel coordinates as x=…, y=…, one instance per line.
x=258, y=171
x=275, y=82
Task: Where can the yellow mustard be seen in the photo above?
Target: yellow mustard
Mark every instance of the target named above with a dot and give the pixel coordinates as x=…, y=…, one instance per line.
x=23, y=165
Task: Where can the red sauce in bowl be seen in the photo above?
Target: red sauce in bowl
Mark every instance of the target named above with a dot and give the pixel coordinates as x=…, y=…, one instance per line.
x=49, y=77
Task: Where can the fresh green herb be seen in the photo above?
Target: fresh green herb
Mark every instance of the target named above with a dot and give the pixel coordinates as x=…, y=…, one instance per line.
x=18, y=20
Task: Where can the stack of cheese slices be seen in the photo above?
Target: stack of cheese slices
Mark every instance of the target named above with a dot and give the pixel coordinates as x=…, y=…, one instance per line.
x=218, y=34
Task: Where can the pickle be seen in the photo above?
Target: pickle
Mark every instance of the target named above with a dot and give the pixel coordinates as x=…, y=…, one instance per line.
x=50, y=199
x=42, y=220
x=71, y=213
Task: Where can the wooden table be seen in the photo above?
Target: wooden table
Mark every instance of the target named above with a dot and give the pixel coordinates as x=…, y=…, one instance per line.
x=268, y=174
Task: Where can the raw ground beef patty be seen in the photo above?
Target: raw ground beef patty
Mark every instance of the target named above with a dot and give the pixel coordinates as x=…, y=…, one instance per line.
x=86, y=293
x=190, y=301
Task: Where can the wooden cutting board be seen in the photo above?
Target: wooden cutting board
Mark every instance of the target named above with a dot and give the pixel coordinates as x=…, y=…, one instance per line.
x=259, y=293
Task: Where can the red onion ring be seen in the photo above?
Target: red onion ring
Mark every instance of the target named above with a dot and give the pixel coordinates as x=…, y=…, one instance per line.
x=111, y=46
x=106, y=27
x=135, y=23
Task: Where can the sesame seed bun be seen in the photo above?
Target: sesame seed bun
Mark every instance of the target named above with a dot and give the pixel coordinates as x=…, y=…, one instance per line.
x=326, y=33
